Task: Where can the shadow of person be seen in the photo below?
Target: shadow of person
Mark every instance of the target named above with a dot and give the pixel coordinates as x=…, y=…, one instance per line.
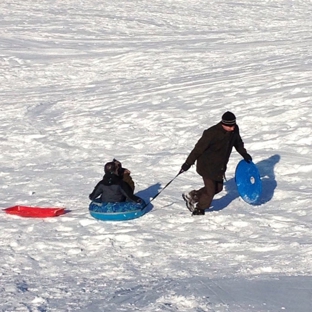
x=267, y=175
x=224, y=201
x=148, y=194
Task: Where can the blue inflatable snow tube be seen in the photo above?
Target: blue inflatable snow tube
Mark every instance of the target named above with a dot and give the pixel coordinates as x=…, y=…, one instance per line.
x=117, y=211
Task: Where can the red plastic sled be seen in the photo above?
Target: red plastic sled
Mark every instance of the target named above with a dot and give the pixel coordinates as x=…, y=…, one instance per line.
x=34, y=212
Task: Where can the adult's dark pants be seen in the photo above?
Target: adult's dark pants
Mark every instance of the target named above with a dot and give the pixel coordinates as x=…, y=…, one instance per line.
x=205, y=194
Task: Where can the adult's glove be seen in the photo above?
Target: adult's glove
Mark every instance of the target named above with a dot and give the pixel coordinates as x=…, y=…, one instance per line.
x=247, y=157
x=185, y=167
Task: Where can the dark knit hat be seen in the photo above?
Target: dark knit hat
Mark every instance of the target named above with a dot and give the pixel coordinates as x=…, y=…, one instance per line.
x=228, y=119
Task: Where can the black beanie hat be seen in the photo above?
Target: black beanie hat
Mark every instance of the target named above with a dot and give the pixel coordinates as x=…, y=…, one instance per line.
x=228, y=119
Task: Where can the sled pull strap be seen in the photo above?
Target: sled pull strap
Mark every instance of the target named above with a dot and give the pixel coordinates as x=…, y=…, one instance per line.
x=162, y=189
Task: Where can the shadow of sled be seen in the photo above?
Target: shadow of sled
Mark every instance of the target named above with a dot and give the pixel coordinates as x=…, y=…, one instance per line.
x=269, y=183
x=149, y=193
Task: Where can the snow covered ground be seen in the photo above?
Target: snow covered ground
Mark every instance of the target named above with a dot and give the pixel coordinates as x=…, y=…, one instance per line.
x=82, y=82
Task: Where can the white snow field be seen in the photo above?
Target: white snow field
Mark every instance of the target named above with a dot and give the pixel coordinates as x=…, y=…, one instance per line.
x=82, y=82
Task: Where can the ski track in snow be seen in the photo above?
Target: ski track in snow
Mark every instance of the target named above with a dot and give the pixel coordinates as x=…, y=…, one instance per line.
x=85, y=81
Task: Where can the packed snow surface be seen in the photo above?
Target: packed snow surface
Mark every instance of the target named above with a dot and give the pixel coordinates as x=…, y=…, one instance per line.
x=83, y=82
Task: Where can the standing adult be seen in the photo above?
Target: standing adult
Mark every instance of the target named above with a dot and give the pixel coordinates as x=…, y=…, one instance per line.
x=212, y=153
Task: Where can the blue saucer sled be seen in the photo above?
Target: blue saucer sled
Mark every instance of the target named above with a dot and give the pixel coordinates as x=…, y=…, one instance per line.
x=248, y=182
x=117, y=211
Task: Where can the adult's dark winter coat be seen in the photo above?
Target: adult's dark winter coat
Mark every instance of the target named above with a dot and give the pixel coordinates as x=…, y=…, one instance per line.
x=213, y=149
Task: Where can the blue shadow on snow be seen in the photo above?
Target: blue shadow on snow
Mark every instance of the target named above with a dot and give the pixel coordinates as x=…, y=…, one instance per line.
x=269, y=184
x=148, y=194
